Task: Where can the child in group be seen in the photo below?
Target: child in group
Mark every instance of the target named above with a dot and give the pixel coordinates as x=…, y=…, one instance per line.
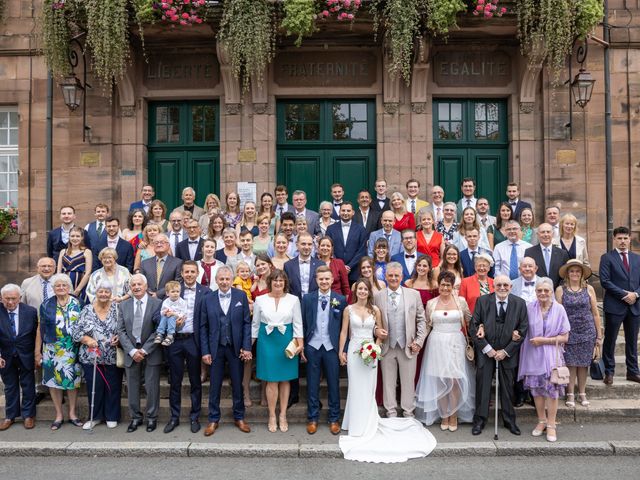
x=244, y=280
x=173, y=309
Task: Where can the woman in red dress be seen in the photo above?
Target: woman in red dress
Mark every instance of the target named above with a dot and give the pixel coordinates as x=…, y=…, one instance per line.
x=340, y=276
x=404, y=220
x=429, y=242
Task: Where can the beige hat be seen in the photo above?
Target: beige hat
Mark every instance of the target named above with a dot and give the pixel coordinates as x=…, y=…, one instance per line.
x=586, y=271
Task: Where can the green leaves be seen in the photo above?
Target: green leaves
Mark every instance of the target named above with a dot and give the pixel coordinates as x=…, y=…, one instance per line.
x=299, y=18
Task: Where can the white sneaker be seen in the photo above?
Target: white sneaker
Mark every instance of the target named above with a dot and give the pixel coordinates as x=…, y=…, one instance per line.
x=112, y=424
x=89, y=425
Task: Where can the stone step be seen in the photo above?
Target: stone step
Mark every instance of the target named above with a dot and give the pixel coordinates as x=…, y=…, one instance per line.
x=620, y=343
x=600, y=410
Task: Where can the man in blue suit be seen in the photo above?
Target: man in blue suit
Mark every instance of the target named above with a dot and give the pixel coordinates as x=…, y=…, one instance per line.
x=349, y=240
x=96, y=230
x=147, y=195
x=468, y=254
x=18, y=328
x=322, y=321
x=301, y=270
x=393, y=236
x=408, y=256
x=186, y=349
x=513, y=197
x=620, y=278
x=112, y=239
x=58, y=238
x=225, y=338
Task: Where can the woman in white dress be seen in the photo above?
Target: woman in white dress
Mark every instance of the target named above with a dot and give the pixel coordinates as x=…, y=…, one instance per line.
x=446, y=388
x=370, y=438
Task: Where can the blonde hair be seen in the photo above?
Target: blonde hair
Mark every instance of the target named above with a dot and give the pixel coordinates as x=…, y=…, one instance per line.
x=568, y=217
x=395, y=195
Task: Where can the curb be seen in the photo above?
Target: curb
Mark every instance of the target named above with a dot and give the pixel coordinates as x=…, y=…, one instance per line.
x=295, y=450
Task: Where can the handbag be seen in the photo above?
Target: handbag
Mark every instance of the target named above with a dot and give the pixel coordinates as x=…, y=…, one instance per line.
x=290, y=351
x=596, y=370
x=560, y=374
x=469, y=351
x=119, y=357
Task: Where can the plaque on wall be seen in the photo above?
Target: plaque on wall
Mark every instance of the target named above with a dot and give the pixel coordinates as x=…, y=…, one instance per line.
x=325, y=69
x=182, y=71
x=472, y=69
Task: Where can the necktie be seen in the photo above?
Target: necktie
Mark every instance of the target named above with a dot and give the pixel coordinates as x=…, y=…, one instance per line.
x=473, y=255
x=501, y=313
x=394, y=300
x=136, y=329
x=100, y=228
x=45, y=290
x=159, y=266
x=280, y=209
x=484, y=222
x=547, y=259
x=413, y=206
x=529, y=284
x=625, y=261
x=439, y=215
x=225, y=295
x=12, y=317
x=513, y=262
x=468, y=203
x=388, y=237
x=176, y=241
x=325, y=300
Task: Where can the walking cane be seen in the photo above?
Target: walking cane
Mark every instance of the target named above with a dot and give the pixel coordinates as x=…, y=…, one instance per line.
x=495, y=435
x=93, y=387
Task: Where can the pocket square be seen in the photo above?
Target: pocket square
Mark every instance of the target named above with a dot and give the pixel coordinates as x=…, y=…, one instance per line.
x=239, y=304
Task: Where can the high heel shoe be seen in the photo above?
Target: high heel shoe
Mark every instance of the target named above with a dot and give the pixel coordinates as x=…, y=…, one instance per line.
x=551, y=437
x=272, y=425
x=284, y=425
x=583, y=399
x=444, y=424
x=453, y=424
x=537, y=432
x=570, y=400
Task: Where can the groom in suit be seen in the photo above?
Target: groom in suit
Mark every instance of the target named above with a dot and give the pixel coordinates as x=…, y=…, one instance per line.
x=349, y=240
x=403, y=333
x=301, y=270
x=501, y=313
x=620, y=278
x=139, y=317
x=322, y=319
x=225, y=338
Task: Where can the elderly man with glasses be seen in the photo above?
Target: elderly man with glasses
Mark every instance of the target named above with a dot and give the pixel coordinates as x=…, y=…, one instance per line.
x=161, y=268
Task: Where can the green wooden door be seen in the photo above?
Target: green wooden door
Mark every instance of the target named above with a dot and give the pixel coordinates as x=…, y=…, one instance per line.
x=184, y=150
x=322, y=142
x=471, y=140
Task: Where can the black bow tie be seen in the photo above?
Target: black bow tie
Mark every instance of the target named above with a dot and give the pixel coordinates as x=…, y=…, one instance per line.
x=529, y=284
x=337, y=204
x=194, y=242
x=409, y=256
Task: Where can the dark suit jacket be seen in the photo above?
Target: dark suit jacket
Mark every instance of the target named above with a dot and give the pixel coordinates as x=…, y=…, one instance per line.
x=399, y=257
x=126, y=255
x=292, y=269
x=310, y=315
x=356, y=246
x=468, y=268
x=521, y=205
x=171, y=271
x=373, y=220
x=201, y=294
x=486, y=313
x=25, y=343
x=149, y=324
x=183, y=250
x=139, y=204
x=239, y=317
x=616, y=281
x=558, y=258
x=55, y=244
x=376, y=206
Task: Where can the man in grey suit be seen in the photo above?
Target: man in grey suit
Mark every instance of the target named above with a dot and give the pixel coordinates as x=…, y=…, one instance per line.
x=403, y=333
x=387, y=231
x=300, y=210
x=188, y=205
x=161, y=268
x=138, y=318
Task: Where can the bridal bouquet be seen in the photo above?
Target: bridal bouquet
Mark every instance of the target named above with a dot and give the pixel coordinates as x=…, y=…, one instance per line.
x=369, y=352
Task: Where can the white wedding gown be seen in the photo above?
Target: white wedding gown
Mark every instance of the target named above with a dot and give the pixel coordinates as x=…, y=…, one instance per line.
x=371, y=438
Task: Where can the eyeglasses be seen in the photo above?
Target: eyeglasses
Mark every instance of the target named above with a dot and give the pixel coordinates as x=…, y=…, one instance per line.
x=502, y=285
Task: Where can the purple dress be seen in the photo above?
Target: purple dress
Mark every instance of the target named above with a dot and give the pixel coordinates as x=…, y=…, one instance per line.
x=578, y=351
x=536, y=363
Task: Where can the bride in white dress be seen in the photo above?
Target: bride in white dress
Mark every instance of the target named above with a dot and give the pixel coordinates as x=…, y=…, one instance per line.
x=371, y=438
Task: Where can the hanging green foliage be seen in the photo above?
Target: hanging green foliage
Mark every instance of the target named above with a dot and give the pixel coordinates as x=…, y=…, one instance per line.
x=248, y=33
x=441, y=15
x=55, y=34
x=299, y=18
x=589, y=14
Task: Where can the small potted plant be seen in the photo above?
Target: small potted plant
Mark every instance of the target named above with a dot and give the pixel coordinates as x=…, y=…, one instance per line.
x=8, y=221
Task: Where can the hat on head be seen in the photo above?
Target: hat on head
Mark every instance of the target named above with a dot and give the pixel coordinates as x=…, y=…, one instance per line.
x=586, y=271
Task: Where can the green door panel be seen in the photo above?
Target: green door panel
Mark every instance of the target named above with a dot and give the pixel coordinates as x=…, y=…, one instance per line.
x=301, y=171
x=351, y=168
x=450, y=167
x=203, y=174
x=489, y=167
x=165, y=176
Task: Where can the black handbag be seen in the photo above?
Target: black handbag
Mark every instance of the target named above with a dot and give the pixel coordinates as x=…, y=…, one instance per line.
x=596, y=371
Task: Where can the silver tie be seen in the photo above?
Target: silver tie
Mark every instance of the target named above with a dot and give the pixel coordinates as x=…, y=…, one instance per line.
x=136, y=329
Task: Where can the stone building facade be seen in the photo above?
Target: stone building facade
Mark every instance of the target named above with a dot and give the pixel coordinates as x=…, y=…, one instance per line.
x=475, y=107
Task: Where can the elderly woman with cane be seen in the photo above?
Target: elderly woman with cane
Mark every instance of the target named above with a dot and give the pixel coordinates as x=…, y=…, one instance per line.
x=96, y=331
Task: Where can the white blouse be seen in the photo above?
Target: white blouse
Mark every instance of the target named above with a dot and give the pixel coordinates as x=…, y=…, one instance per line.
x=288, y=311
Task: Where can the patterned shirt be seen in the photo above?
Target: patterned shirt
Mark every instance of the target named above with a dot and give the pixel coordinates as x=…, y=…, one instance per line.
x=100, y=330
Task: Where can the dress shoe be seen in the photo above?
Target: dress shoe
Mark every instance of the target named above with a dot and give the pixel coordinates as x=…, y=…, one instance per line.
x=195, y=426
x=39, y=397
x=633, y=378
x=513, y=428
x=608, y=379
x=169, y=427
x=6, y=423
x=211, y=428
x=29, y=423
x=242, y=426
x=518, y=402
x=477, y=429
x=334, y=428
x=112, y=424
x=133, y=426
x=151, y=425
x=312, y=427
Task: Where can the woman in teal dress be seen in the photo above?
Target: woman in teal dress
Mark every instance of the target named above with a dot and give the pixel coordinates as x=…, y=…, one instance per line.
x=277, y=320
x=496, y=233
x=76, y=261
x=60, y=367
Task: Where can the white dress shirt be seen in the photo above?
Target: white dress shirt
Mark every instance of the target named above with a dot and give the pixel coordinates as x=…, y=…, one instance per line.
x=410, y=262
x=189, y=296
x=305, y=271
x=224, y=302
x=502, y=255
x=345, y=230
